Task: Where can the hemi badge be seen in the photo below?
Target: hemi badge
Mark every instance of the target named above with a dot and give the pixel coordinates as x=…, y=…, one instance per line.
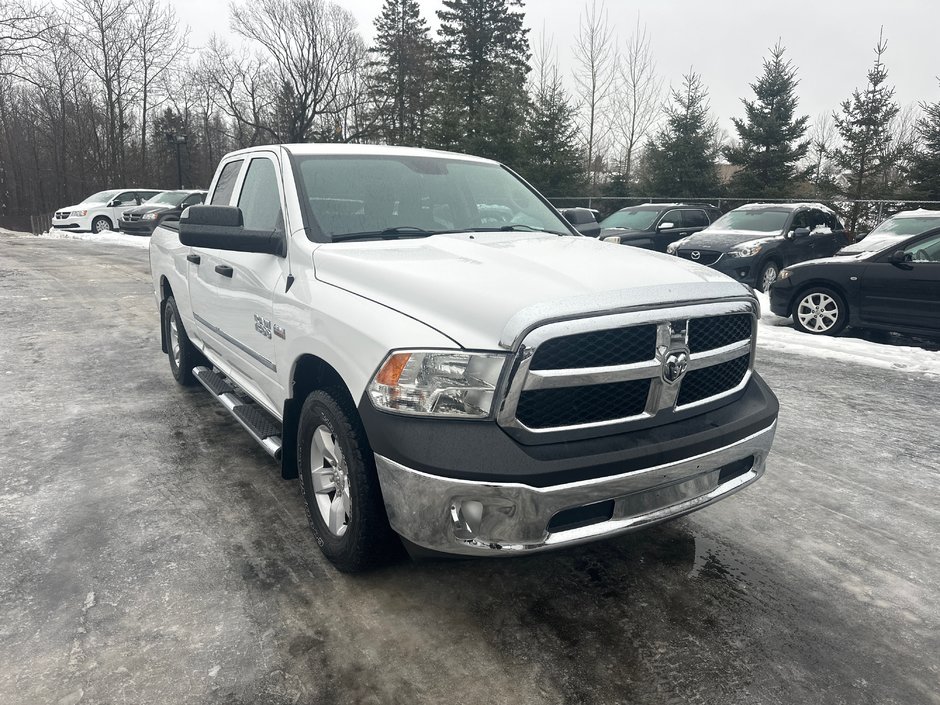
x=280, y=332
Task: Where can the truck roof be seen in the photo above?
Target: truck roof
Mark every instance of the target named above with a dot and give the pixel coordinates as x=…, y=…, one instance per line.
x=339, y=149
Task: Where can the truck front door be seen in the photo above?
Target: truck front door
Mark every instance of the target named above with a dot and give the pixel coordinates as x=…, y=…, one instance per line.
x=232, y=293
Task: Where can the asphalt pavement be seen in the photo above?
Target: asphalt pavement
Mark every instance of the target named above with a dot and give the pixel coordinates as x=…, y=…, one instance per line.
x=150, y=552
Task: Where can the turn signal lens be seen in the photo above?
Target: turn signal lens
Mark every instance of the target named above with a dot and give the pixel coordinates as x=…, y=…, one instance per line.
x=392, y=369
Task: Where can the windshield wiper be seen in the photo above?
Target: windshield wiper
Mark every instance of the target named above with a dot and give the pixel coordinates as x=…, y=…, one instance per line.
x=515, y=227
x=387, y=234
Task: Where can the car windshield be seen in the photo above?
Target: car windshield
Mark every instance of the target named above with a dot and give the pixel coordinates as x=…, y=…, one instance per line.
x=764, y=220
x=414, y=196
x=168, y=198
x=631, y=218
x=102, y=196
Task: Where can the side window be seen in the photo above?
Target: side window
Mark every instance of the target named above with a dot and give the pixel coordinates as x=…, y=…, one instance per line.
x=674, y=217
x=694, y=219
x=193, y=200
x=260, y=199
x=817, y=220
x=226, y=183
x=146, y=195
x=924, y=251
x=800, y=220
x=128, y=198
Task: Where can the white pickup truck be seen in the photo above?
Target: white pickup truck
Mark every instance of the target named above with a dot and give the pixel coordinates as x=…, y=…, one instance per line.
x=440, y=355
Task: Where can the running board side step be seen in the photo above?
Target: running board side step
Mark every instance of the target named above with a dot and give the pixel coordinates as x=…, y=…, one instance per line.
x=261, y=426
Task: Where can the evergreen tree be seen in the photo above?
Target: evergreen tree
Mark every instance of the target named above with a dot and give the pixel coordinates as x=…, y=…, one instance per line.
x=771, y=146
x=680, y=159
x=484, y=53
x=403, y=65
x=863, y=127
x=925, y=166
x=553, y=162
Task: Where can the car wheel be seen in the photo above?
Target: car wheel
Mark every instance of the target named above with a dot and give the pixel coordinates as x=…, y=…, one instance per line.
x=100, y=224
x=820, y=311
x=768, y=275
x=182, y=353
x=340, y=485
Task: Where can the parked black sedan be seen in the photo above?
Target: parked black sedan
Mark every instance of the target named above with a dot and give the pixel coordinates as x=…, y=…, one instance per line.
x=144, y=218
x=754, y=242
x=896, y=288
x=652, y=226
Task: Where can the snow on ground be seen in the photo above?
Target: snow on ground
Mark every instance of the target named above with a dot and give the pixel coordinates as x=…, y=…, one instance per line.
x=108, y=237
x=778, y=334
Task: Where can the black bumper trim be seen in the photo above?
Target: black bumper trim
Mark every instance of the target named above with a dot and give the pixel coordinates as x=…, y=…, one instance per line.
x=481, y=451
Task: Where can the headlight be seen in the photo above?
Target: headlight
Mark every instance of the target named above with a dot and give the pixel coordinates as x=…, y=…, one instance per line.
x=149, y=216
x=437, y=383
x=612, y=238
x=673, y=247
x=784, y=274
x=746, y=249
x=78, y=214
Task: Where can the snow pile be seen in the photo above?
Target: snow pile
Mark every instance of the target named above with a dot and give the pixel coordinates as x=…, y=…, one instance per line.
x=778, y=334
x=108, y=237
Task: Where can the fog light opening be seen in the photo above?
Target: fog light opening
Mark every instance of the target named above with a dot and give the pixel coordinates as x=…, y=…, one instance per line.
x=467, y=516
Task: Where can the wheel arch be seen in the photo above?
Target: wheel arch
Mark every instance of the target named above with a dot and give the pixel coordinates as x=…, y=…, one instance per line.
x=308, y=373
x=165, y=293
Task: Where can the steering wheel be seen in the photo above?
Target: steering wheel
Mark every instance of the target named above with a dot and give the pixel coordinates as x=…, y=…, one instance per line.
x=920, y=256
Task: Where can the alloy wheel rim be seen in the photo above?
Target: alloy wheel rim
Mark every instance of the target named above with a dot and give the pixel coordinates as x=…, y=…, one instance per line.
x=818, y=312
x=100, y=226
x=174, y=342
x=330, y=476
x=770, y=276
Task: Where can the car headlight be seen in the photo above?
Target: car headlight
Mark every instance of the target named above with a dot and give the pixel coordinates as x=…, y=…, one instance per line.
x=784, y=274
x=673, y=247
x=78, y=214
x=747, y=249
x=441, y=383
x=615, y=239
x=149, y=216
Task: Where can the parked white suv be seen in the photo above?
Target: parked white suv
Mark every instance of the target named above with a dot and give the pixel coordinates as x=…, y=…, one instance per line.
x=436, y=352
x=100, y=211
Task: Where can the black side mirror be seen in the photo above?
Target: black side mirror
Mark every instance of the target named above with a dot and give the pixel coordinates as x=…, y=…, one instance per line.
x=583, y=221
x=223, y=228
x=899, y=257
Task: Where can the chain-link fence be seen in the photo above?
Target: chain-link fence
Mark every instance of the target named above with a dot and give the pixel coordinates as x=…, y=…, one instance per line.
x=871, y=211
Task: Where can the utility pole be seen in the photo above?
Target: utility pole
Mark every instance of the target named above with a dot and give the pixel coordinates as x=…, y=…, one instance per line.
x=178, y=140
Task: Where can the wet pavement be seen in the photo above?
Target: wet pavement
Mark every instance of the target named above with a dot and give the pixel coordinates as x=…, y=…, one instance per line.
x=150, y=552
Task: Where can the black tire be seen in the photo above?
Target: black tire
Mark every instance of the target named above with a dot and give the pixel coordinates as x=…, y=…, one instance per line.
x=770, y=270
x=182, y=361
x=100, y=224
x=819, y=310
x=366, y=540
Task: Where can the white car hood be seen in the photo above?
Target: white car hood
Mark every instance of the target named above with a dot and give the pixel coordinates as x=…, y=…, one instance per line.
x=483, y=290
x=85, y=206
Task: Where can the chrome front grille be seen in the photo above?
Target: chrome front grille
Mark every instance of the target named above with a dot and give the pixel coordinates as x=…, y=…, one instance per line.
x=622, y=369
x=130, y=218
x=62, y=215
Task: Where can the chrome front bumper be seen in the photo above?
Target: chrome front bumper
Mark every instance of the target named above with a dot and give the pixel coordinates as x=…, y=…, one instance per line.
x=474, y=518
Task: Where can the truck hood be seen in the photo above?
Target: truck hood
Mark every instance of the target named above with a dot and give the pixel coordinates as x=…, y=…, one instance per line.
x=484, y=290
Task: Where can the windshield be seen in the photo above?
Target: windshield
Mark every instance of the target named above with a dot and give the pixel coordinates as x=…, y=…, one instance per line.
x=416, y=195
x=102, y=196
x=168, y=198
x=891, y=232
x=633, y=219
x=765, y=220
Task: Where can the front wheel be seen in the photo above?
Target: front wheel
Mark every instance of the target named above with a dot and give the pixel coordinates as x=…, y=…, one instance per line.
x=100, y=224
x=340, y=485
x=768, y=275
x=820, y=311
x=182, y=353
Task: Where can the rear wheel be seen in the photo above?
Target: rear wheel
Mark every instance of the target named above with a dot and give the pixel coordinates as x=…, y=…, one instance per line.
x=100, y=224
x=820, y=311
x=340, y=485
x=182, y=353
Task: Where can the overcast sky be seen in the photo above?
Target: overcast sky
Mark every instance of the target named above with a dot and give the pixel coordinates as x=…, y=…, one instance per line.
x=831, y=41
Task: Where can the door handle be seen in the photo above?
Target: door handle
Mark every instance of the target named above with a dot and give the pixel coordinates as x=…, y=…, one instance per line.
x=224, y=270
x=195, y=259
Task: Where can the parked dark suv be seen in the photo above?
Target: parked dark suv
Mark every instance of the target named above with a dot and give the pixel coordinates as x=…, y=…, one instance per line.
x=754, y=242
x=653, y=226
x=169, y=204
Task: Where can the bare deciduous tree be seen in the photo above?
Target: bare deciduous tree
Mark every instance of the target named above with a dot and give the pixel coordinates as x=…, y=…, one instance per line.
x=595, y=70
x=637, y=102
